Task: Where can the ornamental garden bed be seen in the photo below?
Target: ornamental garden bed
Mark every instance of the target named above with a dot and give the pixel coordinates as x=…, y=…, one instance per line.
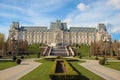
x=61, y=70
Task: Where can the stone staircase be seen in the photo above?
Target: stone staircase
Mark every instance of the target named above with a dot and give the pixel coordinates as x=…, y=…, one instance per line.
x=58, y=51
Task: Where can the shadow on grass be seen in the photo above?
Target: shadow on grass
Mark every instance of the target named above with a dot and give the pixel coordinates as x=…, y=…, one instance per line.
x=1, y=61
x=74, y=60
x=81, y=77
x=107, y=64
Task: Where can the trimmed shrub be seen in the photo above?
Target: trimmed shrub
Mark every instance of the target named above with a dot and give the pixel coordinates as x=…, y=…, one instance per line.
x=80, y=56
x=49, y=59
x=1, y=56
x=18, y=61
x=61, y=76
x=102, y=61
x=14, y=58
x=38, y=55
x=118, y=57
x=96, y=58
x=22, y=57
x=59, y=57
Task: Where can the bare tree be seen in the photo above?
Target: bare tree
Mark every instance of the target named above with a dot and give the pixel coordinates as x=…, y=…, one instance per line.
x=2, y=43
x=93, y=48
x=116, y=47
x=25, y=45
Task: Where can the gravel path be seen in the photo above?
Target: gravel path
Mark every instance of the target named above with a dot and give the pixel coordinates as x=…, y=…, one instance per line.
x=106, y=73
x=14, y=73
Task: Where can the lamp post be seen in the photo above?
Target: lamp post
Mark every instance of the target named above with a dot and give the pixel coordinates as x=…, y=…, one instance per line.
x=13, y=43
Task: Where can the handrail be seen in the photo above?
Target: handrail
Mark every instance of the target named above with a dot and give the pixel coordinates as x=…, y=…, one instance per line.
x=71, y=51
x=45, y=50
x=67, y=50
x=49, y=51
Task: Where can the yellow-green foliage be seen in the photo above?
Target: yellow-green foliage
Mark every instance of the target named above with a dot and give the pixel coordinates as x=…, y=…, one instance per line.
x=53, y=68
x=2, y=40
x=70, y=70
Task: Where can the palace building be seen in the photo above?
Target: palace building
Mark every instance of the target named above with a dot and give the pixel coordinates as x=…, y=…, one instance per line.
x=58, y=33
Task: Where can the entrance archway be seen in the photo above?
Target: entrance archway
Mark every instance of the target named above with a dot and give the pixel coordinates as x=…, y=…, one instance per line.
x=59, y=39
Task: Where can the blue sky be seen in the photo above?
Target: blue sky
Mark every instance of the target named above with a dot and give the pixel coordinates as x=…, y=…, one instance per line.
x=81, y=13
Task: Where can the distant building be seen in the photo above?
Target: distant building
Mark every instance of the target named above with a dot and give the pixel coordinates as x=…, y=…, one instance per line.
x=58, y=33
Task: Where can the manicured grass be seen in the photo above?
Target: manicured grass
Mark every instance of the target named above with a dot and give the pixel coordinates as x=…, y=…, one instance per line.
x=83, y=49
x=34, y=48
x=33, y=55
x=85, y=74
x=40, y=73
x=113, y=65
x=6, y=64
x=91, y=57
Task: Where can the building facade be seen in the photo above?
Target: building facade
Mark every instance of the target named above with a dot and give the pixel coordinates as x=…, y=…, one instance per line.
x=58, y=33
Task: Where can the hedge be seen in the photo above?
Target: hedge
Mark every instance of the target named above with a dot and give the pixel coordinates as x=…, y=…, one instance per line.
x=69, y=75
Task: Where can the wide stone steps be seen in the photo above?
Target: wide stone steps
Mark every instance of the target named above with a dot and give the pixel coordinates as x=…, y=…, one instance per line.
x=58, y=51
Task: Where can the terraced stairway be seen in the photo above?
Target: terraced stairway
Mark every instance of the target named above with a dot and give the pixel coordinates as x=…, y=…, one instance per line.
x=58, y=51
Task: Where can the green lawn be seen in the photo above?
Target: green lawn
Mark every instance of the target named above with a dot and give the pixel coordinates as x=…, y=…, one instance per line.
x=6, y=64
x=85, y=74
x=33, y=55
x=40, y=73
x=34, y=48
x=113, y=65
x=83, y=49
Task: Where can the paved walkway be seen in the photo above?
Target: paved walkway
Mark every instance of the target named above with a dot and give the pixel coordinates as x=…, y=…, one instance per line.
x=14, y=73
x=106, y=73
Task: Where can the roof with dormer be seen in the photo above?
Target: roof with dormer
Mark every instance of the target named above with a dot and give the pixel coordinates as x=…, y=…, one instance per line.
x=58, y=25
x=33, y=28
x=82, y=29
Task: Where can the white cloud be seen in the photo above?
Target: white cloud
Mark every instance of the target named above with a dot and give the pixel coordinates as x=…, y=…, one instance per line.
x=11, y=7
x=36, y=12
x=114, y=3
x=116, y=30
x=31, y=11
x=7, y=15
x=82, y=7
x=68, y=20
x=99, y=12
x=46, y=5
